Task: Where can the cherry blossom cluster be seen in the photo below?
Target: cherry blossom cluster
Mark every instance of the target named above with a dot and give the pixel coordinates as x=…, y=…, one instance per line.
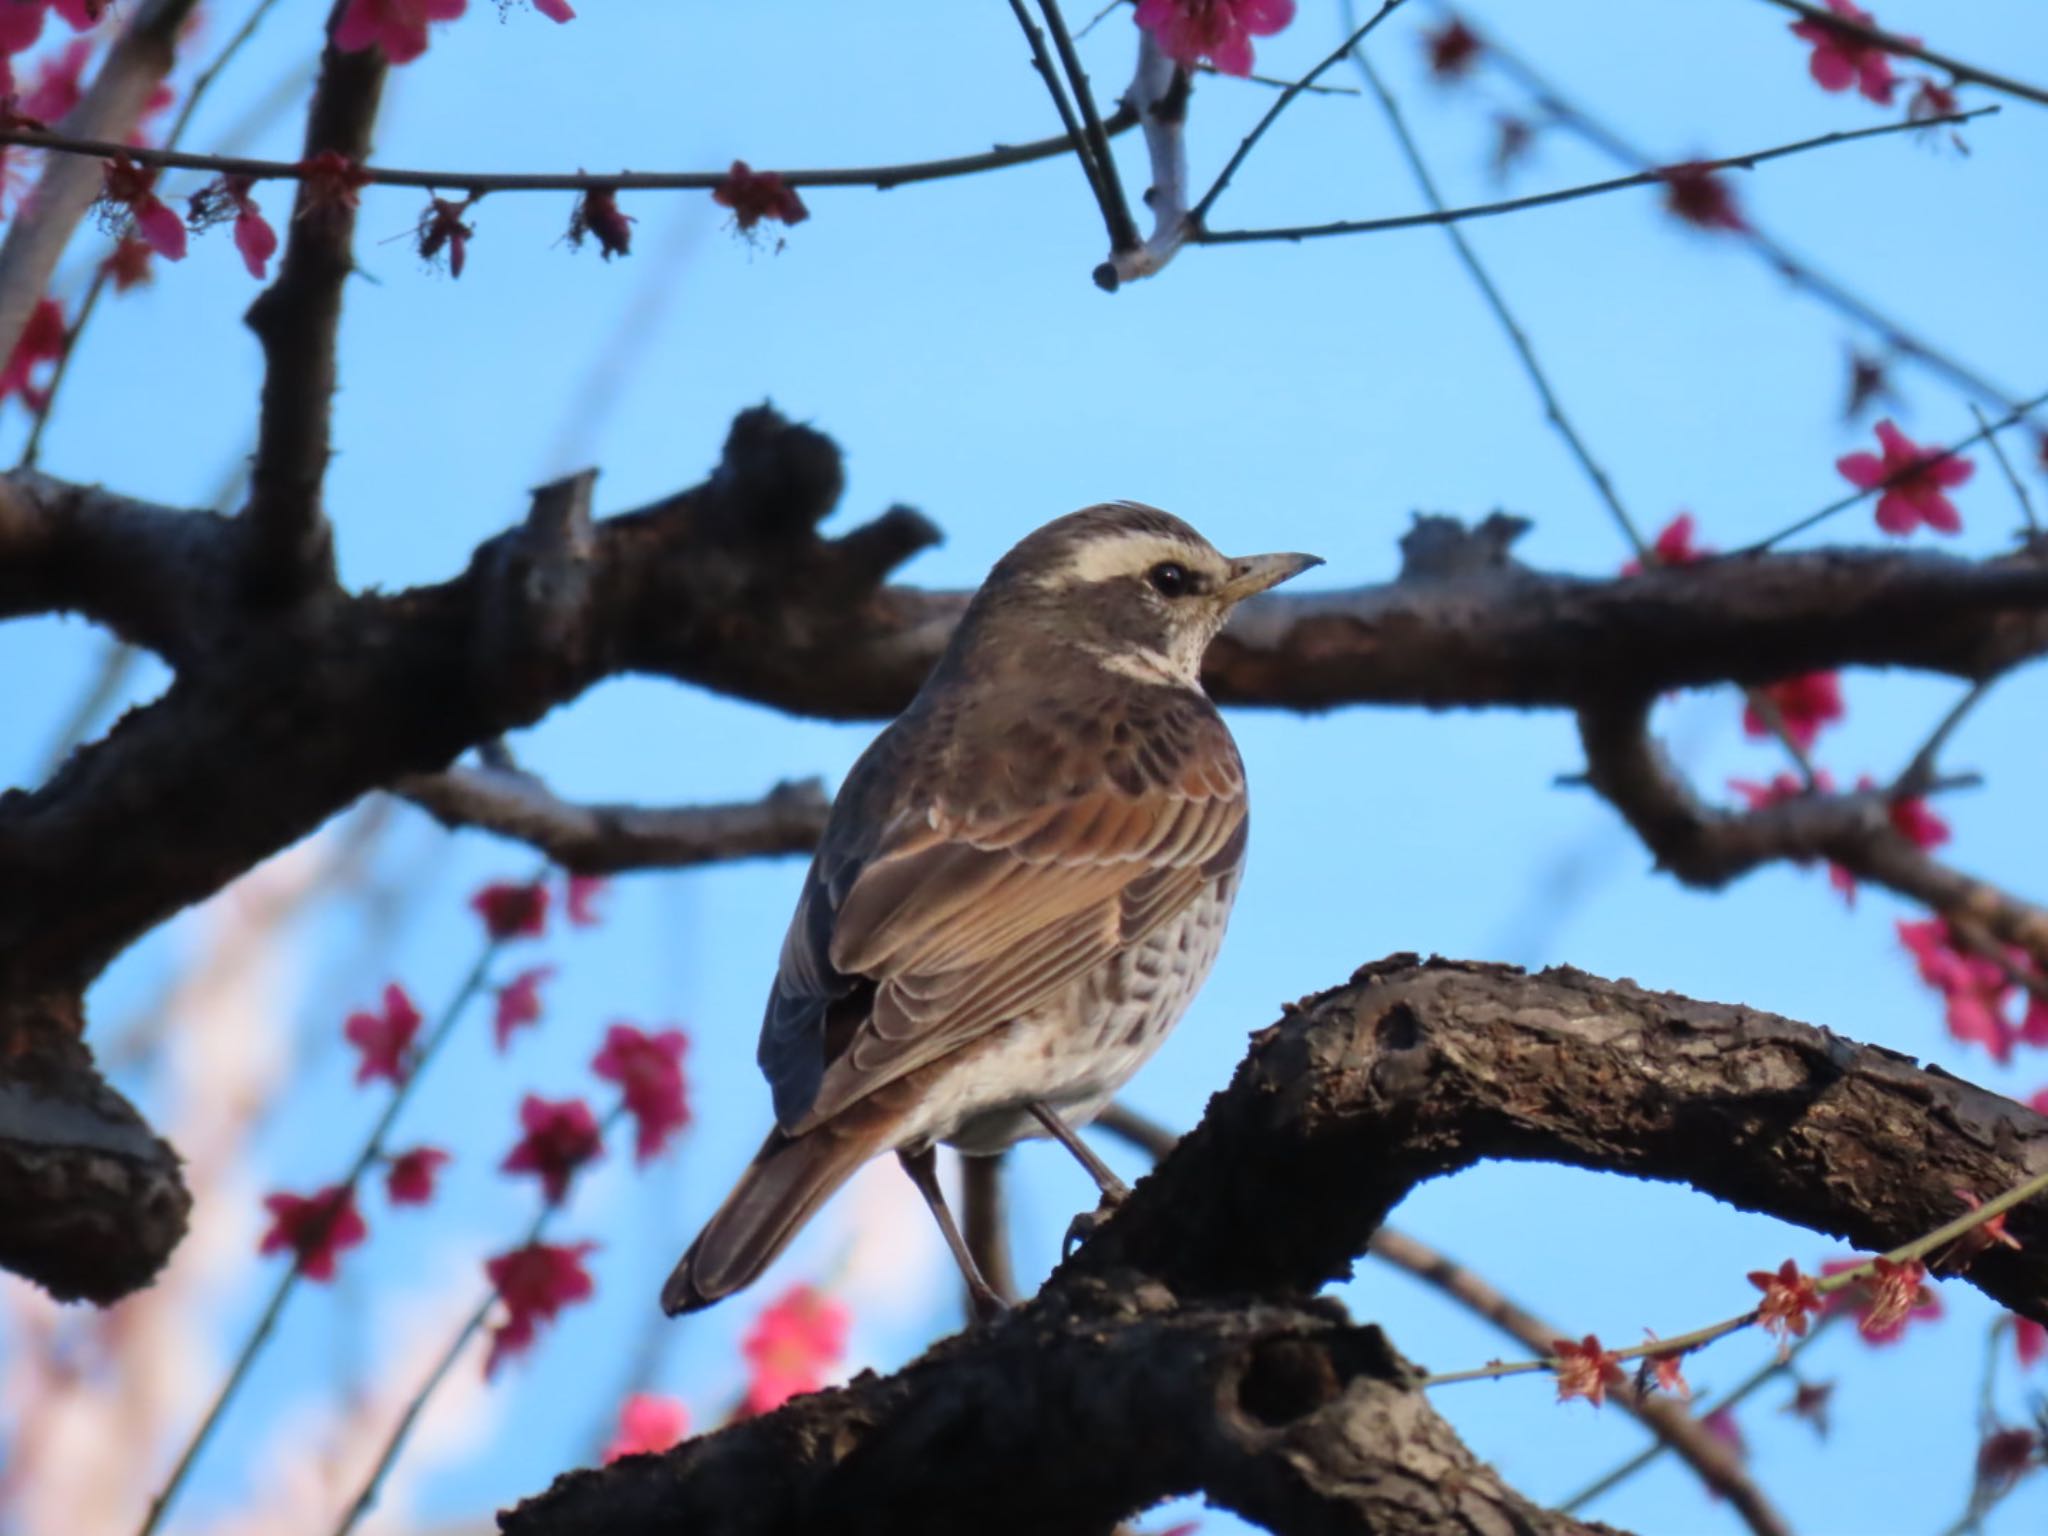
x=1843, y=59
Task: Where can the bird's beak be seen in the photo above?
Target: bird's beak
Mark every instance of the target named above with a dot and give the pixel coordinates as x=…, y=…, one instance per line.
x=1255, y=573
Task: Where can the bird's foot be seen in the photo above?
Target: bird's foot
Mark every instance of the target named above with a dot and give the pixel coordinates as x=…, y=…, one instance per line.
x=986, y=1305
x=1083, y=1226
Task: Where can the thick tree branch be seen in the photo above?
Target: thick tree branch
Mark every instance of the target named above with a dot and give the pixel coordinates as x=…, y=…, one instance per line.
x=1417, y=1070
x=298, y=318
x=1290, y=1416
x=91, y=1202
x=276, y=722
x=1670, y=1420
x=605, y=839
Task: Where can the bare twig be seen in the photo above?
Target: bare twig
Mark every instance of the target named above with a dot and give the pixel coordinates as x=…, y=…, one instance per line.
x=1795, y=269
x=1159, y=95
x=1673, y=1425
x=879, y=177
x=1908, y=48
x=604, y=839
x=1655, y=177
x=2019, y=486
x=1553, y=408
x=1076, y=136
x=1123, y=233
x=1199, y=215
x=31, y=450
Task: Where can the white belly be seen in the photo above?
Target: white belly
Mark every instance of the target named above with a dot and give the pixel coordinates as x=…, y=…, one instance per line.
x=1076, y=1053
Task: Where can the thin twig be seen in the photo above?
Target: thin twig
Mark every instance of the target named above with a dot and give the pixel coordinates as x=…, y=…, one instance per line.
x=1654, y=177
x=372, y=1149
x=2019, y=486
x=1793, y=268
x=1083, y=147
x=2013, y=417
x=1686, y=1343
x=366, y=1496
x=1116, y=211
x=1918, y=775
x=1358, y=35
x=31, y=450
x=1553, y=408
x=1909, y=48
x=1771, y=1370
x=880, y=177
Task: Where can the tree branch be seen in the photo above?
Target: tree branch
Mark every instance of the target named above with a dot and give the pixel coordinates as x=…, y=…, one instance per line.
x=273, y=726
x=1276, y=1407
x=880, y=177
x=605, y=839
x=1417, y=1070
x=1707, y=847
x=1289, y=1416
x=1670, y=1420
x=298, y=318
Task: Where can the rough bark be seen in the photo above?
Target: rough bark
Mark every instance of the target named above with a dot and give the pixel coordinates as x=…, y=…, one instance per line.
x=1190, y=1311
x=1068, y=1416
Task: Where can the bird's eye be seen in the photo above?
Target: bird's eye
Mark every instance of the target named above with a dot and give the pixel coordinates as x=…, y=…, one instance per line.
x=1168, y=578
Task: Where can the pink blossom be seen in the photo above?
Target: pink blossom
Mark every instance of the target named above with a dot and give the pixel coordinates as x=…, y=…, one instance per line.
x=1672, y=546
x=127, y=265
x=1453, y=49
x=1913, y=480
x=254, y=237
x=649, y=1070
x=315, y=1229
x=534, y=1283
x=519, y=1003
x=561, y=1136
x=756, y=195
x=81, y=15
x=1220, y=31
x=2029, y=1341
x=385, y=1038
x=399, y=27
x=21, y=23
x=555, y=10
x=1975, y=989
x=58, y=83
x=410, y=1178
x=793, y=1343
x=1805, y=705
x=648, y=1425
x=1841, y=58
x=134, y=187
x=597, y=215
x=579, y=901
x=512, y=910
x=1884, y=1301
x=1699, y=194
x=43, y=340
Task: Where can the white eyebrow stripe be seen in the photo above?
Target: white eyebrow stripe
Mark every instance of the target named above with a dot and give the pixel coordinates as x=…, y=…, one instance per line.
x=1104, y=559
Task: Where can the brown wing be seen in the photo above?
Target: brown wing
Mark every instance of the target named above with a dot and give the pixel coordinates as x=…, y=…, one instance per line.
x=955, y=924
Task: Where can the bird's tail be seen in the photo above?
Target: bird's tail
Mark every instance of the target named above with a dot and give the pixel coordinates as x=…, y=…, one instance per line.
x=789, y=1178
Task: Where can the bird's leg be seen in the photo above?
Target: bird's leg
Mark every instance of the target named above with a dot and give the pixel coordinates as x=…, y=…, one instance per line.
x=1114, y=1189
x=922, y=1166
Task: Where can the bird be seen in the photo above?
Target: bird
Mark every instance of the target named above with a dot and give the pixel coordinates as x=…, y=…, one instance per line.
x=1021, y=885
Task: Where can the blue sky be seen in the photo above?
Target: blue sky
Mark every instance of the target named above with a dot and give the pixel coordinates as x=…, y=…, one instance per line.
x=1295, y=397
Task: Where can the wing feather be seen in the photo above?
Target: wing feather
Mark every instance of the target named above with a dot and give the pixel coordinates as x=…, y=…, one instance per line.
x=952, y=916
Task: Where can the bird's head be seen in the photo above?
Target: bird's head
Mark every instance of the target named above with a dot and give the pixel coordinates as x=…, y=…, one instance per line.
x=1134, y=587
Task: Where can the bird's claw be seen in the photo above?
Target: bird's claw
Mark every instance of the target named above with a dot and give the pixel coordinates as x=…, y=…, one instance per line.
x=1083, y=1226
